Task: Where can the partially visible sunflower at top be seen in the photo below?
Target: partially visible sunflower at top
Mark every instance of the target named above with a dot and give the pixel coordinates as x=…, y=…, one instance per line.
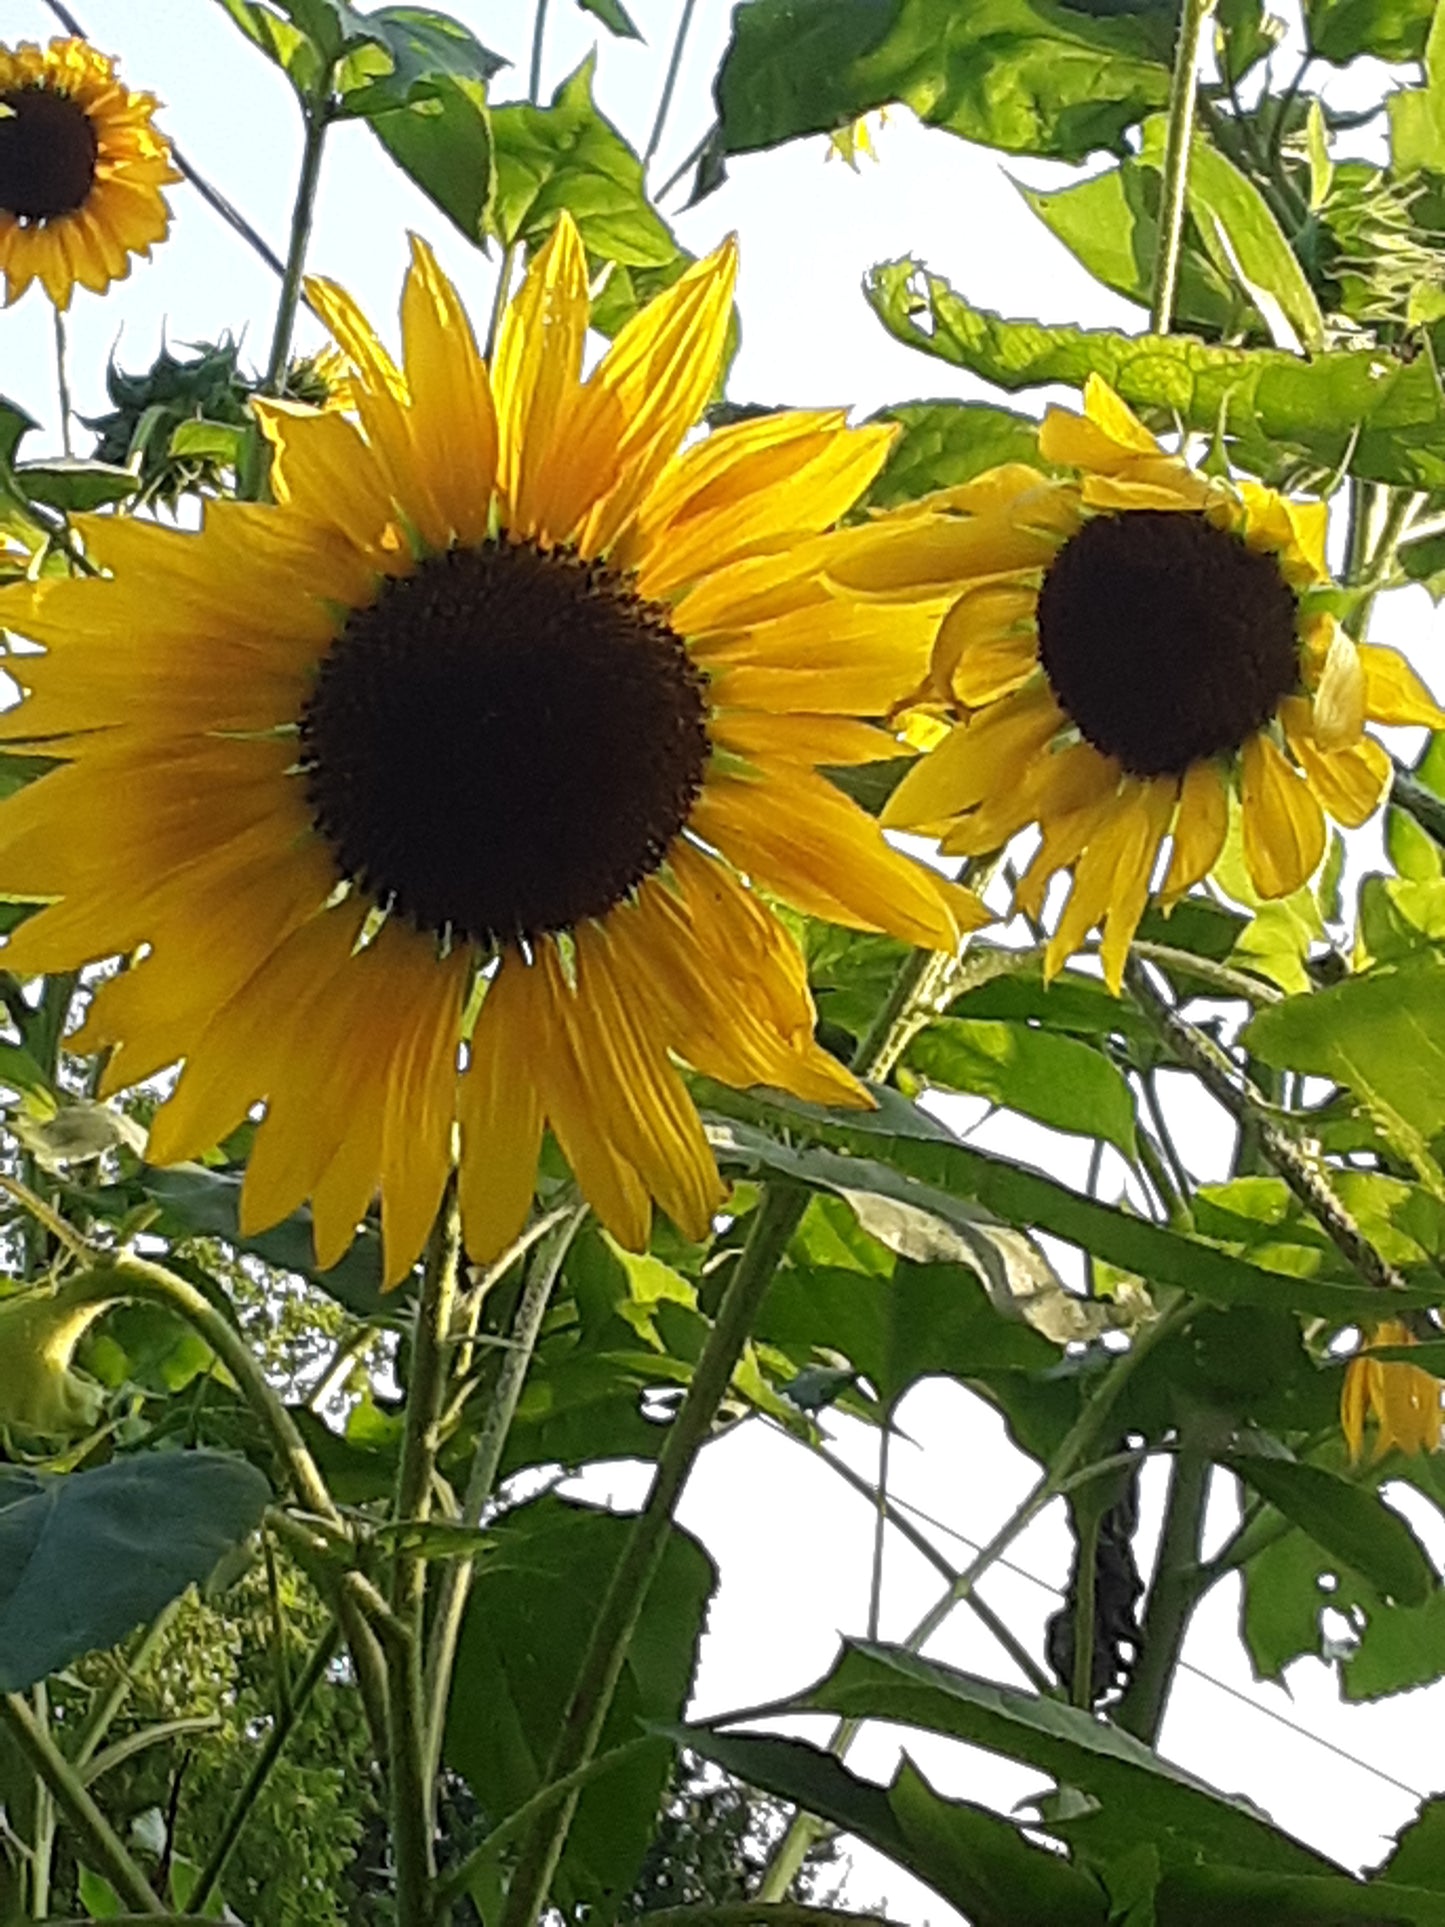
x=472, y=733
x=1135, y=644
x=81, y=171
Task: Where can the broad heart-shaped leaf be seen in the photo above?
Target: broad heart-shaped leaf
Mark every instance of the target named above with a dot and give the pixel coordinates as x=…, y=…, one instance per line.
x=1360, y=408
x=942, y=443
x=1383, y=1035
x=1028, y=76
x=410, y=52
x=981, y=1863
x=86, y=1558
x=1057, y=1080
x=1140, y=1795
x=1352, y=1523
x=925, y=1319
x=568, y=156
x=900, y=1135
x=526, y=1629
x=1338, y=30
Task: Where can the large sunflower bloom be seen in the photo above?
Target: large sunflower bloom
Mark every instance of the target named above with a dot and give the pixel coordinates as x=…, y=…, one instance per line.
x=1402, y=1399
x=1134, y=644
x=81, y=171
x=469, y=738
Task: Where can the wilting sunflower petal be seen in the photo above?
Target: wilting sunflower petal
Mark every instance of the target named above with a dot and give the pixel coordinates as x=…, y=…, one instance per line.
x=1339, y=696
x=1393, y=692
x=1284, y=827
x=1199, y=831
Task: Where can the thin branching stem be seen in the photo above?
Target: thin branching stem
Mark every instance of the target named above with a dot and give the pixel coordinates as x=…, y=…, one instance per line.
x=1178, y=137
x=669, y=84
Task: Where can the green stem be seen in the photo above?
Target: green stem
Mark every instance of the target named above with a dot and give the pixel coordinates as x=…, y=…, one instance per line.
x=539, y=29
x=1216, y=977
x=455, y=1588
x=100, y=1844
x=42, y=1843
x=93, y=1733
x=1305, y=1178
x=1081, y=1686
x=316, y=119
x=411, y=1795
x=282, y=1727
x=1175, y=196
x=664, y=105
x=62, y=381
x=774, y=1221
x=880, y=1527
x=1408, y=793
x=1076, y=1446
x=1174, y=1591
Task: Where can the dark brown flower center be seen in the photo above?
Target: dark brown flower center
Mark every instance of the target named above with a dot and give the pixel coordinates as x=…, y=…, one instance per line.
x=504, y=743
x=47, y=154
x=1165, y=639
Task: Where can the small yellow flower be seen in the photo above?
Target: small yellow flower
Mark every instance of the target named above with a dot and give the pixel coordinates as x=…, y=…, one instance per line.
x=81, y=171
x=1134, y=644
x=1403, y=1400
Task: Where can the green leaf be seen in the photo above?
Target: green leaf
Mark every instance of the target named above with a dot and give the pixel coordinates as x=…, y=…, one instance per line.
x=1110, y=223
x=1230, y=1894
x=1070, y=1003
x=1056, y=1080
x=527, y=1624
x=1417, y=114
x=15, y=424
x=568, y=156
x=614, y=17
x=1383, y=1035
x=86, y=1558
x=212, y=441
x=1351, y=1523
x=944, y=443
x=1140, y=1794
x=412, y=52
x=197, y=1200
x=1243, y=237
x=1027, y=76
x=922, y=1321
x=1362, y=407
x=76, y=486
x=1338, y=30
x=980, y=1862
x=1419, y=1856
x=1243, y=34
x=280, y=40
x=900, y=1135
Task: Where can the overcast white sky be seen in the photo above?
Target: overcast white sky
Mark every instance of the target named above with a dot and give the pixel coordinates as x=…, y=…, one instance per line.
x=793, y=1543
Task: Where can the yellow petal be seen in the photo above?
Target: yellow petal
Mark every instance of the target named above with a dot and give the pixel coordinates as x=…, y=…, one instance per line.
x=1284, y=830
x=987, y=644
x=1199, y=831
x=974, y=760
x=454, y=420
x=1393, y=692
x=1354, y=1400
x=500, y=1111
x=834, y=741
x=1339, y=696
x=843, y=871
x=536, y=378
x=1349, y=782
x=910, y=557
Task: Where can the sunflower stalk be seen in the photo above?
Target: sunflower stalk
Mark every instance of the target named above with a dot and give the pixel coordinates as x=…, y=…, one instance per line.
x=316, y=118
x=669, y=84
x=456, y=1582
x=407, y=1746
x=1302, y=1173
x=1178, y=1584
x=1193, y=17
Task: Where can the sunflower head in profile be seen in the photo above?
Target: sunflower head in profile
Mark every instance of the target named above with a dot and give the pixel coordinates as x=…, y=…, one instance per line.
x=435, y=802
x=1402, y=1400
x=1135, y=645
x=81, y=171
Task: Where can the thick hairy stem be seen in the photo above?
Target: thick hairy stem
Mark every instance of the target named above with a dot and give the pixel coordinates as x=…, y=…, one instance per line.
x=1305, y=1178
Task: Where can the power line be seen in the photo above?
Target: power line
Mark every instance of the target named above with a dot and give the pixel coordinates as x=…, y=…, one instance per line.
x=1188, y=1666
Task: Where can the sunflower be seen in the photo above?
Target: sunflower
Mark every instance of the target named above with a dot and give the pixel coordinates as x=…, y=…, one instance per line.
x=485, y=735
x=81, y=171
x=1135, y=645
x=1403, y=1399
